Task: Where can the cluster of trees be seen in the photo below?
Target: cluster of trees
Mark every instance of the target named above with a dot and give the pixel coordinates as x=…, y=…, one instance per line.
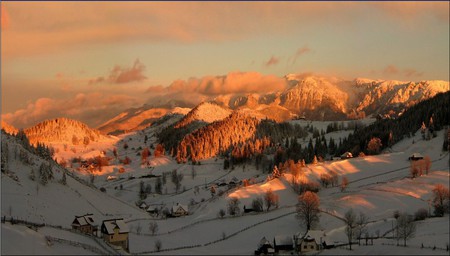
x=339, y=126
x=216, y=138
x=390, y=131
x=441, y=199
x=45, y=173
x=419, y=166
x=355, y=225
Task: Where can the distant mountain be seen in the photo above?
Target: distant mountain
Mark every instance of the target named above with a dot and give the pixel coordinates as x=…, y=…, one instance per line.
x=9, y=128
x=311, y=97
x=324, y=98
x=205, y=112
x=138, y=118
x=63, y=130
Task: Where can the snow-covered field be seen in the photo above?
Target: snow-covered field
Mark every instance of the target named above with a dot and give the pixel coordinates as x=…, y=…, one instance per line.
x=378, y=186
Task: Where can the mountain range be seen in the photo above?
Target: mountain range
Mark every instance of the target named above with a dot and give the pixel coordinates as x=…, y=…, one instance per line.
x=310, y=97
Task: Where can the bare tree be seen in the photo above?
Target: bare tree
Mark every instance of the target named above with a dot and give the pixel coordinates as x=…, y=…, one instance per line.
x=233, y=206
x=176, y=179
x=270, y=198
x=193, y=172
x=350, y=221
x=361, y=223
x=308, y=208
x=257, y=204
x=158, y=245
x=344, y=183
x=406, y=227
x=138, y=229
x=153, y=227
x=221, y=213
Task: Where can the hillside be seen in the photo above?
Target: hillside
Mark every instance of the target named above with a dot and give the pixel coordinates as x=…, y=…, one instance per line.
x=378, y=185
x=137, y=119
x=63, y=131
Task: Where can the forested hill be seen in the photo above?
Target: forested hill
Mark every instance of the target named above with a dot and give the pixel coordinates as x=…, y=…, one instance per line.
x=432, y=113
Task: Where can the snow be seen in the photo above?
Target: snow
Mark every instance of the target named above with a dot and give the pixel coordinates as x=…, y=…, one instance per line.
x=378, y=185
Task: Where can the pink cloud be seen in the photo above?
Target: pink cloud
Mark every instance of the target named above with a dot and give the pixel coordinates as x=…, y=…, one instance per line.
x=57, y=27
x=301, y=51
x=195, y=90
x=409, y=72
x=120, y=75
x=91, y=108
x=272, y=61
x=390, y=70
x=233, y=82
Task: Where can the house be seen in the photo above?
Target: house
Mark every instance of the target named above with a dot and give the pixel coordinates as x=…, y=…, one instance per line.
x=283, y=243
x=415, y=157
x=143, y=206
x=346, y=155
x=115, y=232
x=179, y=210
x=85, y=224
x=248, y=209
x=264, y=247
x=313, y=240
x=152, y=210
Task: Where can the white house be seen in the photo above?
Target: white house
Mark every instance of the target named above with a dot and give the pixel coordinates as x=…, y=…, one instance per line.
x=179, y=210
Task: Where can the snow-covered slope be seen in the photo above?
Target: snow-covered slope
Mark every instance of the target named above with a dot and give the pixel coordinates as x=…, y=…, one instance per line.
x=378, y=185
x=137, y=119
x=63, y=131
x=205, y=112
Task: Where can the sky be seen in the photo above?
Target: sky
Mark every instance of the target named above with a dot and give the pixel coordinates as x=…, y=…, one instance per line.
x=91, y=60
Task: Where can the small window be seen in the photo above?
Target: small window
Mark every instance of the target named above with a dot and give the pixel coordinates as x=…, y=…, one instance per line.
x=305, y=247
x=111, y=237
x=312, y=247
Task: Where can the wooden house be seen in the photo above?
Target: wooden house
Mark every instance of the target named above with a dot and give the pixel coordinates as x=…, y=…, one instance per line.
x=85, y=224
x=313, y=240
x=283, y=243
x=346, y=155
x=143, y=206
x=179, y=210
x=115, y=232
x=264, y=247
x=415, y=157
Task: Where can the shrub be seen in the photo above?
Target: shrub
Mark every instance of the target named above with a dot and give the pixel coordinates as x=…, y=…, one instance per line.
x=421, y=214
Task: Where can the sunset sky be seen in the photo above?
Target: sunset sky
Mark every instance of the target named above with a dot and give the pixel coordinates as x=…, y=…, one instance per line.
x=90, y=60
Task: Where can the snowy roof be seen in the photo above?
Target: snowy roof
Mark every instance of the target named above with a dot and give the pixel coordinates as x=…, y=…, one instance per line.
x=84, y=220
x=264, y=241
x=151, y=208
x=110, y=225
x=176, y=207
x=347, y=154
x=318, y=235
x=416, y=155
x=283, y=240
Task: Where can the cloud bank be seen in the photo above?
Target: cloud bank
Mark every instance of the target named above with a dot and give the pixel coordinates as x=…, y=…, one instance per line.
x=120, y=75
x=57, y=27
x=91, y=108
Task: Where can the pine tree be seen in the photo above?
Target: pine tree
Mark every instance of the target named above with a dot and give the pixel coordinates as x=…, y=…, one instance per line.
x=64, y=178
x=275, y=172
x=4, y=157
x=43, y=176
x=32, y=175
